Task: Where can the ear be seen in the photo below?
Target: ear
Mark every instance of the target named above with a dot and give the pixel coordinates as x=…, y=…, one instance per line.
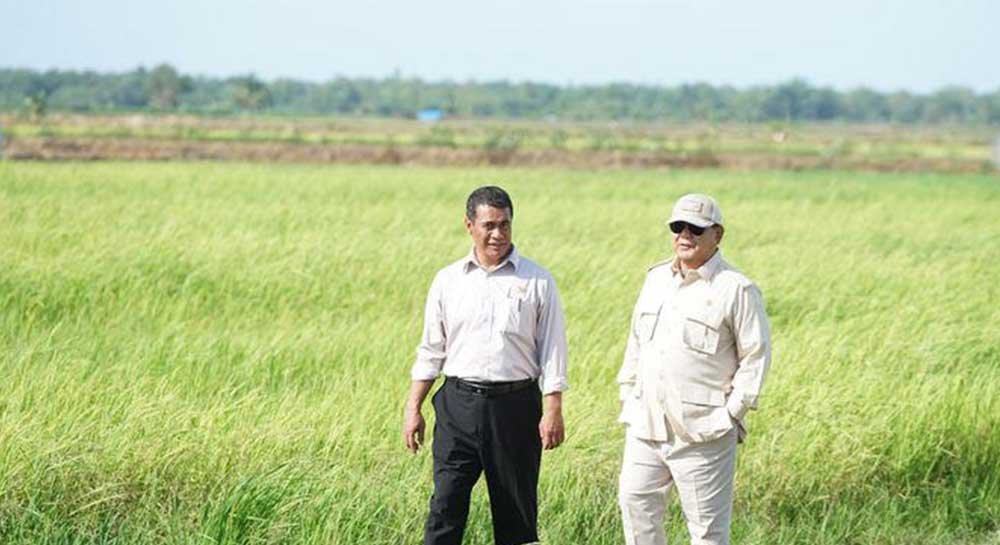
x=468, y=224
x=720, y=230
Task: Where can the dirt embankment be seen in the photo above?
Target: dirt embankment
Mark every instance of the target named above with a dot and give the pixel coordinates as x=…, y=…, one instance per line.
x=88, y=149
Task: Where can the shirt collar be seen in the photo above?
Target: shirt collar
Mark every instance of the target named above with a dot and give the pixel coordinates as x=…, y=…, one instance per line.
x=513, y=258
x=707, y=270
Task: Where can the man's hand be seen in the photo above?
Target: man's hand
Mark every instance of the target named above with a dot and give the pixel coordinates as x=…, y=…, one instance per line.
x=413, y=429
x=413, y=419
x=550, y=428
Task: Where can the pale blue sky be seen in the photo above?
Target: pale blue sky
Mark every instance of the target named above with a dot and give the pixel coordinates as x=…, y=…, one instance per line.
x=893, y=44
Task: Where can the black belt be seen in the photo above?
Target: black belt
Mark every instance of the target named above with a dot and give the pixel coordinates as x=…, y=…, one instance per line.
x=491, y=388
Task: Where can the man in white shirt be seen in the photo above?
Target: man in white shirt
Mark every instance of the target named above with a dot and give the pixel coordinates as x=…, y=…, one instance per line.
x=694, y=364
x=494, y=327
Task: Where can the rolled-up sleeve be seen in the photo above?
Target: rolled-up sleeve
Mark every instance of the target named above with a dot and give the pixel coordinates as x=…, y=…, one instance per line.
x=550, y=340
x=753, y=343
x=433, y=346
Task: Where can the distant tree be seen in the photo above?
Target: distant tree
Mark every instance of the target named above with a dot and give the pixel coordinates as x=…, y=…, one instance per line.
x=35, y=105
x=207, y=95
x=76, y=98
x=905, y=108
x=18, y=84
x=786, y=101
x=699, y=101
x=163, y=87
x=339, y=95
x=127, y=90
x=821, y=105
x=289, y=95
x=991, y=111
x=864, y=104
x=249, y=93
x=748, y=105
x=951, y=105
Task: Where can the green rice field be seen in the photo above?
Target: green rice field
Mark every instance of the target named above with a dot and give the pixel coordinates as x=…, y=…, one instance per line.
x=219, y=353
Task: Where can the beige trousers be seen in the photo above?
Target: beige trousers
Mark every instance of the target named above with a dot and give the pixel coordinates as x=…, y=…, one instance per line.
x=702, y=474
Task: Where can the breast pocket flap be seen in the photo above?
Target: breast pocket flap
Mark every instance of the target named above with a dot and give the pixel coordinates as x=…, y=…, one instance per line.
x=710, y=316
x=702, y=330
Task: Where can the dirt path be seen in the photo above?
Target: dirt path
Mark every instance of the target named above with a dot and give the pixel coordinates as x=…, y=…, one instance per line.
x=93, y=149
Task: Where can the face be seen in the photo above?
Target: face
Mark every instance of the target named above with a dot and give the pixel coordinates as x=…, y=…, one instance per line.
x=490, y=231
x=694, y=250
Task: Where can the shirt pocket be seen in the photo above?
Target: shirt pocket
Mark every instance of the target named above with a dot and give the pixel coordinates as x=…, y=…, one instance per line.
x=647, y=318
x=517, y=314
x=704, y=412
x=702, y=330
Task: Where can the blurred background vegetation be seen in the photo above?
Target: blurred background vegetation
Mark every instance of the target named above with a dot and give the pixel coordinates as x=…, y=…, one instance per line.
x=164, y=89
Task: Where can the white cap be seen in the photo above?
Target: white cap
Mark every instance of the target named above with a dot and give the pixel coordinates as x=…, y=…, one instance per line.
x=696, y=209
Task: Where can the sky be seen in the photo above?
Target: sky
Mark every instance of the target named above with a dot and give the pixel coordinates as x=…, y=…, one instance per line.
x=914, y=45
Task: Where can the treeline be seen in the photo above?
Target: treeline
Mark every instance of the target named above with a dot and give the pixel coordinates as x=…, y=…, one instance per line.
x=163, y=89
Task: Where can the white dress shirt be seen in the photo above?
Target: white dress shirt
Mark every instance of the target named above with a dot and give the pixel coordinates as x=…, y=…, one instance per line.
x=494, y=326
x=697, y=353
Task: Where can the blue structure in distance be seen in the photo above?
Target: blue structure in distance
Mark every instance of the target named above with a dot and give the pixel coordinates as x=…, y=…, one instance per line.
x=430, y=115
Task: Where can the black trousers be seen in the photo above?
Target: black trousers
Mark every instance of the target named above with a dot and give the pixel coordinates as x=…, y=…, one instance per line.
x=495, y=435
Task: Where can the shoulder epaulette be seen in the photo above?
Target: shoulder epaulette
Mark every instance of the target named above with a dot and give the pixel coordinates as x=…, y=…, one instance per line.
x=666, y=262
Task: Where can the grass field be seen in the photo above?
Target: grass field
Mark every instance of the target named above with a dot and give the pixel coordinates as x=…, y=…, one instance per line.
x=218, y=353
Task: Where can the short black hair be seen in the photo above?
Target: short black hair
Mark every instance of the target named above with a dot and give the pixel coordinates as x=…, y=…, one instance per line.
x=490, y=195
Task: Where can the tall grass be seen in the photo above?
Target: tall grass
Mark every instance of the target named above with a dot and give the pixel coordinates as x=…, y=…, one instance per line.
x=218, y=353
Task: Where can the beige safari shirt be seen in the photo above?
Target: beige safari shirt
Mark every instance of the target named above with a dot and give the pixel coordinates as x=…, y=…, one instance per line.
x=697, y=353
x=494, y=326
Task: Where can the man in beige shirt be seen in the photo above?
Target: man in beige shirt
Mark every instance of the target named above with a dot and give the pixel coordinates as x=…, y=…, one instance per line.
x=695, y=361
x=493, y=326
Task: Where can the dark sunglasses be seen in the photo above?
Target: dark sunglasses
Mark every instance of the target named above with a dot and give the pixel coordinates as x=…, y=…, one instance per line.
x=677, y=228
